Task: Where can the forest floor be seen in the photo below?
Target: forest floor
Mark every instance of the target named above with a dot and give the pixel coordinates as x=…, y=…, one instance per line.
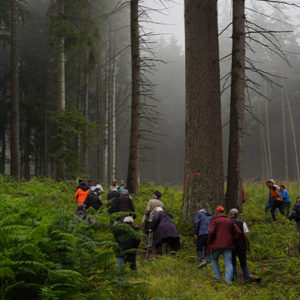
x=40, y=211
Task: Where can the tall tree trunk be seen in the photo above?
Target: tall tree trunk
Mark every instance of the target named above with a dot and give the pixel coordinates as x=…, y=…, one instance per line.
x=99, y=110
x=106, y=125
x=113, y=122
x=61, y=98
x=263, y=148
x=269, y=152
x=285, y=152
x=204, y=184
x=85, y=157
x=237, y=102
x=293, y=131
x=78, y=104
x=14, y=111
x=45, y=171
x=133, y=163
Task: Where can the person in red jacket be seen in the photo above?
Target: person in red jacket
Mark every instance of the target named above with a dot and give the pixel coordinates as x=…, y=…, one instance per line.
x=222, y=234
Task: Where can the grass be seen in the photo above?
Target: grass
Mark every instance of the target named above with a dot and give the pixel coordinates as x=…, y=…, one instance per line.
x=274, y=255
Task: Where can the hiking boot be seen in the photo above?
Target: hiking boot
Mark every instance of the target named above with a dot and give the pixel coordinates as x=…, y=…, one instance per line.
x=203, y=263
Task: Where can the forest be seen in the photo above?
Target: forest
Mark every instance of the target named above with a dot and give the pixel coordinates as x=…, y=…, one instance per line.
x=107, y=90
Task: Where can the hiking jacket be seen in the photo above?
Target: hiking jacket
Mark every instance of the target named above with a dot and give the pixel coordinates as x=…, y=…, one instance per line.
x=125, y=238
x=92, y=200
x=285, y=196
x=201, y=223
x=240, y=243
x=81, y=194
x=222, y=233
x=150, y=209
x=296, y=212
x=163, y=226
x=112, y=198
x=124, y=203
x=275, y=193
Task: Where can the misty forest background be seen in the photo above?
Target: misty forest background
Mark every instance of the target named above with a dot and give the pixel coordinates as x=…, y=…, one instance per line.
x=98, y=94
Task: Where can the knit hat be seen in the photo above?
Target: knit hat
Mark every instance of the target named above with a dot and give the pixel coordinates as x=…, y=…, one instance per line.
x=128, y=219
x=233, y=212
x=220, y=208
x=271, y=181
x=202, y=210
x=157, y=194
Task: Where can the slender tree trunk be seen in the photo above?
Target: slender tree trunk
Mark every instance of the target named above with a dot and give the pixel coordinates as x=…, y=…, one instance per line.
x=204, y=185
x=3, y=152
x=237, y=102
x=60, y=163
x=14, y=111
x=133, y=163
x=78, y=137
x=85, y=149
x=98, y=96
x=45, y=171
x=285, y=153
x=113, y=123
x=106, y=124
x=293, y=132
x=263, y=148
x=269, y=153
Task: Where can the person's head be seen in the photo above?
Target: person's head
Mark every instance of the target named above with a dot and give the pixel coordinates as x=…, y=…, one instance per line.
x=114, y=182
x=298, y=199
x=282, y=187
x=90, y=181
x=270, y=182
x=156, y=195
x=94, y=182
x=220, y=210
x=124, y=192
x=122, y=182
x=82, y=183
x=233, y=213
x=202, y=210
x=129, y=220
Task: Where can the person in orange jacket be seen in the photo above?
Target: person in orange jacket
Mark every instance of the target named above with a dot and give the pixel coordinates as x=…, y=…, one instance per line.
x=81, y=193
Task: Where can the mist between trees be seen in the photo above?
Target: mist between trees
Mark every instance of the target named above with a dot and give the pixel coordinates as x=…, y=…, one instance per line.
x=97, y=85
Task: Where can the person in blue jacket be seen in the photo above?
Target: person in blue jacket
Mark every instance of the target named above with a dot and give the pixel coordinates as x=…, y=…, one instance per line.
x=201, y=224
x=286, y=200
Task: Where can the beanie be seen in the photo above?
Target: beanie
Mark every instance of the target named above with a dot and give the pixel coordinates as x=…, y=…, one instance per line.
x=220, y=208
x=157, y=194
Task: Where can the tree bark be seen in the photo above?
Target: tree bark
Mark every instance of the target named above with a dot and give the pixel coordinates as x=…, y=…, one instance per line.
x=293, y=132
x=204, y=184
x=113, y=123
x=133, y=163
x=85, y=150
x=61, y=100
x=14, y=111
x=237, y=102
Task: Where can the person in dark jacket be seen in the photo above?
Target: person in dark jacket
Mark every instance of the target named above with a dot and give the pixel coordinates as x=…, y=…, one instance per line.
x=92, y=200
x=124, y=203
x=111, y=200
x=222, y=234
x=81, y=214
x=295, y=215
x=201, y=224
x=242, y=245
x=127, y=242
x=164, y=231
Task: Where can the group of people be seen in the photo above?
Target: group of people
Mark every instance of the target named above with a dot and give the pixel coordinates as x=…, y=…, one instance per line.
x=222, y=235
x=214, y=236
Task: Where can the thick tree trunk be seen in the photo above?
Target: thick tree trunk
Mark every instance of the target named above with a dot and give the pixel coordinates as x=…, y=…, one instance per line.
x=78, y=105
x=204, y=184
x=293, y=132
x=133, y=163
x=14, y=110
x=264, y=158
x=284, y=140
x=113, y=123
x=61, y=100
x=99, y=110
x=237, y=101
x=106, y=126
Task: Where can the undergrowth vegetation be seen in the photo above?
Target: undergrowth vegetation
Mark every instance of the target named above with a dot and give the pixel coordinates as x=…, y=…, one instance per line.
x=48, y=253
